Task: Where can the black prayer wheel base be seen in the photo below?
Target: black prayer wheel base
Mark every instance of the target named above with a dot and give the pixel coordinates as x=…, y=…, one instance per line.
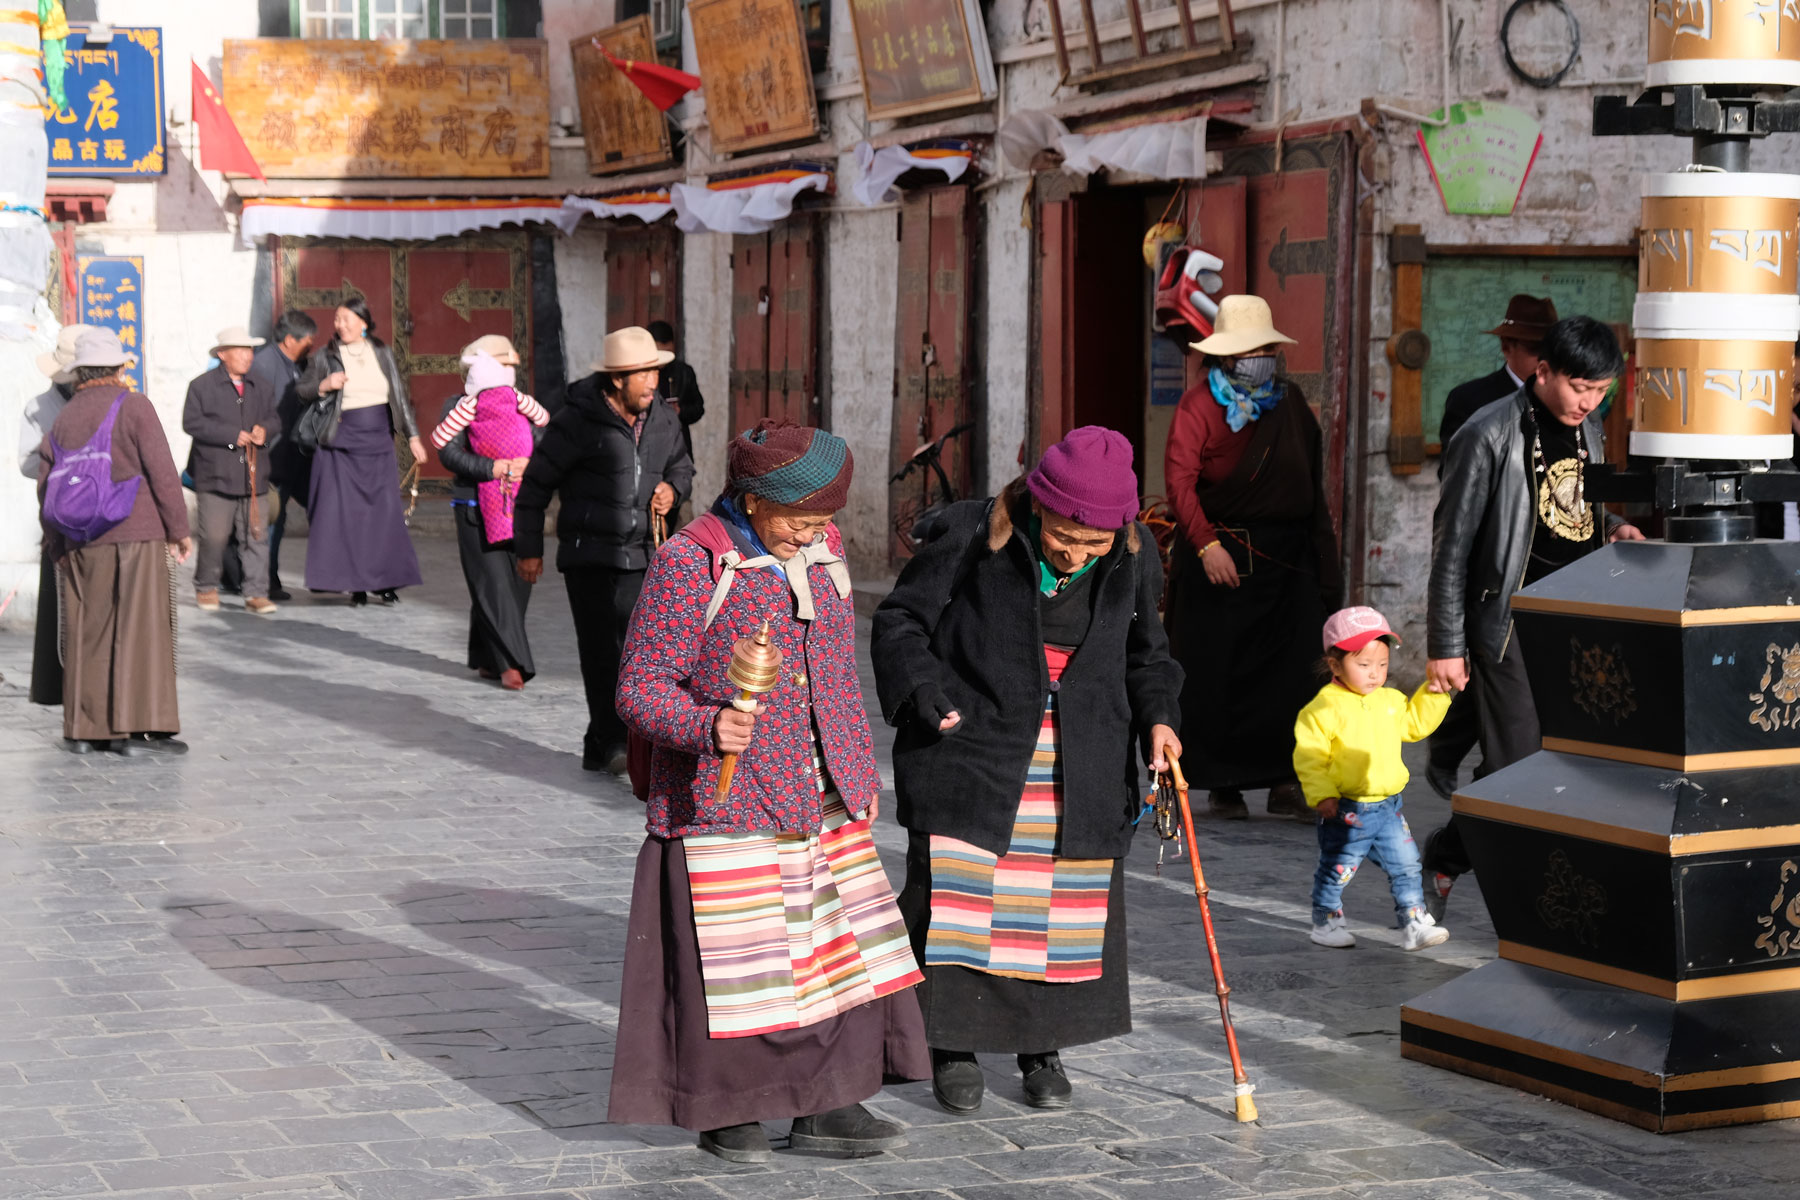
x=1658, y=1064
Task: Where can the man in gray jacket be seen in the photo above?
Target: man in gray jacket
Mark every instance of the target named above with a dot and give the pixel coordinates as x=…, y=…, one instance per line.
x=1513, y=509
x=231, y=416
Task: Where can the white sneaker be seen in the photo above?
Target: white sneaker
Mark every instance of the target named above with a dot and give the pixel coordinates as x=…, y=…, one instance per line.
x=1335, y=932
x=1421, y=932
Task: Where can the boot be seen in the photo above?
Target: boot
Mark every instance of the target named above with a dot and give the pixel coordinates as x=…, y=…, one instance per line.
x=1287, y=800
x=1227, y=804
x=738, y=1143
x=956, y=1081
x=852, y=1129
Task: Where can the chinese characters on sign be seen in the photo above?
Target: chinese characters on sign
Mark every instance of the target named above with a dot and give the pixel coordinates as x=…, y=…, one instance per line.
x=374, y=109
x=758, y=78
x=920, y=55
x=1482, y=157
x=622, y=128
x=113, y=124
x=110, y=293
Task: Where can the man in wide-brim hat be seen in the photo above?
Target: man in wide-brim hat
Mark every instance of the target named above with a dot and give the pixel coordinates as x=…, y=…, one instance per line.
x=40, y=413
x=617, y=459
x=229, y=413
x=1528, y=319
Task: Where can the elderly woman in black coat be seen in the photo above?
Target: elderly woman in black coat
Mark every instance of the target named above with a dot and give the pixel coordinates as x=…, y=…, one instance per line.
x=1022, y=659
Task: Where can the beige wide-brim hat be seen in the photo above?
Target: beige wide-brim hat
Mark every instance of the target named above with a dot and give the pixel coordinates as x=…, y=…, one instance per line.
x=56, y=363
x=98, y=348
x=1244, y=324
x=496, y=346
x=631, y=349
x=235, y=335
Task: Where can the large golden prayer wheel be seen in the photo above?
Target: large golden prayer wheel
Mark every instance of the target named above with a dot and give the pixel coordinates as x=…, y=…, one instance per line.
x=1703, y=398
x=1724, y=41
x=1708, y=231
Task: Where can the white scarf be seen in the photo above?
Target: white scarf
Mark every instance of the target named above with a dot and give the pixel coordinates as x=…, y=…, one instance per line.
x=795, y=568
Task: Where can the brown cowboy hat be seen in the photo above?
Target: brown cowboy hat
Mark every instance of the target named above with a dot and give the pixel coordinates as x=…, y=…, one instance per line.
x=1528, y=319
x=631, y=349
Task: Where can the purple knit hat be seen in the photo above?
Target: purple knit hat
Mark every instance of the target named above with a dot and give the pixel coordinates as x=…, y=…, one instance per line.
x=1087, y=477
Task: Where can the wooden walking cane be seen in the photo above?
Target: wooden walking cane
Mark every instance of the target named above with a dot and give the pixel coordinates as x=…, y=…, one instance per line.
x=1172, y=780
x=250, y=464
x=755, y=669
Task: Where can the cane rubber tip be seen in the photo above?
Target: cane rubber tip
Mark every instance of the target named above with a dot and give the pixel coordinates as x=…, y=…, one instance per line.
x=1246, y=1109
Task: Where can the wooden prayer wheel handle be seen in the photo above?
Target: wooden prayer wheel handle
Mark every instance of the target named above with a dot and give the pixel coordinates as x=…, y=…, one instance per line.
x=744, y=702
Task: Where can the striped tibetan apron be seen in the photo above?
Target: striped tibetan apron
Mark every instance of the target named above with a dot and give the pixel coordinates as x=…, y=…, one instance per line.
x=1025, y=914
x=795, y=929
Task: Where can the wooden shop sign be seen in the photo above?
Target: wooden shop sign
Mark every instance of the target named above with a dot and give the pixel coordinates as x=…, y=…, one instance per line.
x=758, y=77
x=622, y=128
x=921, y=55
x=381, y=109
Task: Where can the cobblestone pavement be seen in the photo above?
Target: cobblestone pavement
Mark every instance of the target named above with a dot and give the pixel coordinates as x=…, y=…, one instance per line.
x=364, y=941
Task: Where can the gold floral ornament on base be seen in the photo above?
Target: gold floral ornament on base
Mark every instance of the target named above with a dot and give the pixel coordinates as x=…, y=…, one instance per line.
x=1775, y=695
x=1601, y=682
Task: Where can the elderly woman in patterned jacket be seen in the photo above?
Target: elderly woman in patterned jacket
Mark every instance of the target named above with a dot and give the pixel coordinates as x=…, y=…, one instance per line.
x=767, y=970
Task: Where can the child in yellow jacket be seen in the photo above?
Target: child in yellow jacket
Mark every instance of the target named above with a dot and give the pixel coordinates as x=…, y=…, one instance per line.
x=1347, y=757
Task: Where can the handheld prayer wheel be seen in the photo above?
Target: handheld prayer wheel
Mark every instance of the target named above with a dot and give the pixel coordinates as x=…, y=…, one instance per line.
x=755, y=669
x=1723, y=41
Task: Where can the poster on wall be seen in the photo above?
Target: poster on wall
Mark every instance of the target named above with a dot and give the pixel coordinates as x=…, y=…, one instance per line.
x=474, y=108
x=113, y=124
x=110, y=294
x=753, y=57
x=1481, y=157
x=921, y=55
x=622, y=128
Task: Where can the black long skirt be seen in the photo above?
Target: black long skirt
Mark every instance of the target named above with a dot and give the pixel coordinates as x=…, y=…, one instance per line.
x=497, y=598
x=1251, y=655
x=667, y=1069
x=46, y=644
x=978, y=1013
x=357, y=539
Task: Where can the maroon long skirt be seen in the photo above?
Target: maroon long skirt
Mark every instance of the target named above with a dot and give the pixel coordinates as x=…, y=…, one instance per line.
x=668, y=1071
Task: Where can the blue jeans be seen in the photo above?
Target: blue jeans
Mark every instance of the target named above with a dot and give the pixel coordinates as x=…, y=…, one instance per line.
x=1375, y=831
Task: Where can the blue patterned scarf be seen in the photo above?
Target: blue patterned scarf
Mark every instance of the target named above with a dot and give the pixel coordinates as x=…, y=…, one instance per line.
x=1243, y=407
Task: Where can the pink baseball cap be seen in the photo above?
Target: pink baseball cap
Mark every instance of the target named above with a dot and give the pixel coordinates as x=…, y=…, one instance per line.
x=1350, y=629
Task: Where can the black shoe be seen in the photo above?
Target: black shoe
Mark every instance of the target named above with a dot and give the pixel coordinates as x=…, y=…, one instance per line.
x=1442, y=781
x=852, y=1129
x=279, y=594
x=1045, y=1084
x=616, y=760
x=1227, y=804
x=86, y=745
x=956, y=1081
x=389, y=597
x=738, y=1143
x=1288, y=800
x=140, y=744
x=358, y=599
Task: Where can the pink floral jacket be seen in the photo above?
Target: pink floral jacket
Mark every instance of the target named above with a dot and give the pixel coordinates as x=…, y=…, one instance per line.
x=672, y=685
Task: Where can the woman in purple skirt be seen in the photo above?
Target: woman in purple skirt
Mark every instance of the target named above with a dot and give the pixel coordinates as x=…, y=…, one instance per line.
x=357, y=541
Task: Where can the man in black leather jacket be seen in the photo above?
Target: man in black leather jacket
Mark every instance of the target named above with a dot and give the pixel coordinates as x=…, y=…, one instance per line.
x=615, y=457
x=1511, y=511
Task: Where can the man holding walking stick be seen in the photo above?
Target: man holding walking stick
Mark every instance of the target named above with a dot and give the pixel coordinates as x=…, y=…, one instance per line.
x=229, y=413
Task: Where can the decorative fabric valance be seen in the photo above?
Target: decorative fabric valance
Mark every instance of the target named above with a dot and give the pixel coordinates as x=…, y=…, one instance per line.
x=648, y=207
x=746, y=203
x=880, y=168
x=1160, y=150
x=394, y=220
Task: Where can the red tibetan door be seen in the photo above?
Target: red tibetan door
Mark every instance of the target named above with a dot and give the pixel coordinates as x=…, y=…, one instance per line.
x=457, y=290
x=643, y=276
x=775, y=325
x=931, y=350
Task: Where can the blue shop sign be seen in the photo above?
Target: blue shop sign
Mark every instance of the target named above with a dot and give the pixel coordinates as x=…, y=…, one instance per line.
x=109, y=292
x=113, y=124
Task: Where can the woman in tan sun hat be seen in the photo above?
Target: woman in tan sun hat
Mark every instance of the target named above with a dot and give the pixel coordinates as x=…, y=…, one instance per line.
x=1255, y=565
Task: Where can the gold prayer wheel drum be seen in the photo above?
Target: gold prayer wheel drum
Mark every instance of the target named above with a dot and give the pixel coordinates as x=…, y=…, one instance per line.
x=1724, y=41
x=1702, y=398
x=755, y=663
x=1715, y=232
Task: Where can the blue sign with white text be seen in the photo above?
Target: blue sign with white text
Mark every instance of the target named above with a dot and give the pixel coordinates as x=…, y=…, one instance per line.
x=113, y=124
x=109, y=292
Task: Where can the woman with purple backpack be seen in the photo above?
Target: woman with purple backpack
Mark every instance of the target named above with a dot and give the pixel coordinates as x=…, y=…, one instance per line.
x=114, y=521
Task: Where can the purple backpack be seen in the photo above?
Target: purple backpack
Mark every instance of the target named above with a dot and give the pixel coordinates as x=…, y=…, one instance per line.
x=81, y=501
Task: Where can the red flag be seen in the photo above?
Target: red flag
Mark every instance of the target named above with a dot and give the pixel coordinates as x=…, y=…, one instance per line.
x=221, y=146
x=663, y=86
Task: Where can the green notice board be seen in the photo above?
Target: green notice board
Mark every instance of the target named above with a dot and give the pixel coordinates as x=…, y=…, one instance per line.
x=1465, y=295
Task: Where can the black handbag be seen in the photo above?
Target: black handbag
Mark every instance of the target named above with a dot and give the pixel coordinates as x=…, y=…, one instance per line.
x=317, y=422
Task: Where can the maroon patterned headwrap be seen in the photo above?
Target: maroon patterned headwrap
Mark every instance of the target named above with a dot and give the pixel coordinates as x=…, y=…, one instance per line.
x=788, y=464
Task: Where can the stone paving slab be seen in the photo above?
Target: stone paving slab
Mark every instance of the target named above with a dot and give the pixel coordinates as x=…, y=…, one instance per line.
x=364, y=942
